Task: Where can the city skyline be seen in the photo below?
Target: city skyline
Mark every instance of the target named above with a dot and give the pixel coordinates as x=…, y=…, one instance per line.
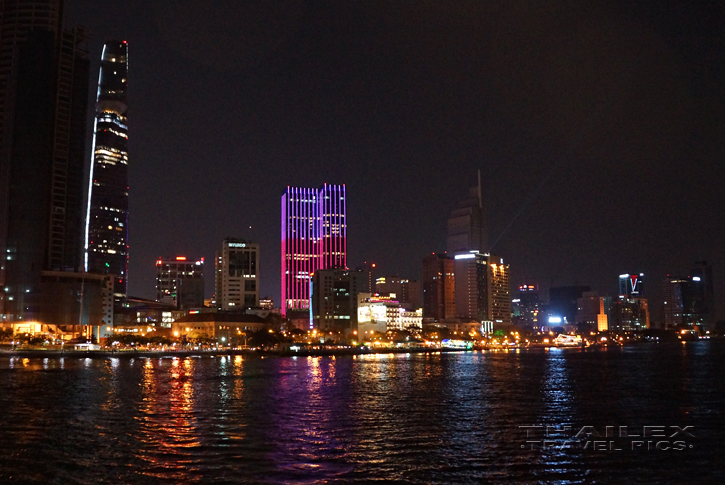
x=575, y=172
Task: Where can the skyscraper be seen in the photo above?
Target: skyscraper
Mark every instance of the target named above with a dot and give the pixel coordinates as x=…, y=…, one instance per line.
x=631, y=285
x=483, y=291
x=106, y=238
x=674, y=291
x=700, y=297
x=335, y=299
x=690, y=301
x=468, y=225
x=43, y=99
x=630, y=314
x=237, y=275
x=180, y=282
x=438, y=287
x=314, y=236
x=526, y=308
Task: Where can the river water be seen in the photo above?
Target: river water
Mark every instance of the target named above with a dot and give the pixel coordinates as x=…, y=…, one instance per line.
x=558, y=416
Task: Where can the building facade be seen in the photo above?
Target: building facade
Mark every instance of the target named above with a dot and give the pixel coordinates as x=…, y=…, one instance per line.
x=468, y=225
x=180, y=282
x=408, y=292
x=44, y=72
x=382, y=313
x=439, y=287
x=237, y=275
x=483, y=291
x=674, y=291
x=699, y=308
x=314, y=236
x=525, y=307
x=106, y=236
x=594, y=310
x=631, y=285
x=334, y=300
x=630, y=314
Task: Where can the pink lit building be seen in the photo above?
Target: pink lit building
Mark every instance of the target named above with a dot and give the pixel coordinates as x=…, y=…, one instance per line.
x=314, y=236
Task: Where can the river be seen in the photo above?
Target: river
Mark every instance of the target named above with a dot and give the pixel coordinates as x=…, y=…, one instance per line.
x=650, y=413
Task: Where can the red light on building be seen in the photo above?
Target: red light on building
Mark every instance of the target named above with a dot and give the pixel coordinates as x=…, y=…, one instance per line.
x=181, y=258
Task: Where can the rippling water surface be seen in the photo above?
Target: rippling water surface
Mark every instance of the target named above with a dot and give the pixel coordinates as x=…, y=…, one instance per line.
x=417, y=418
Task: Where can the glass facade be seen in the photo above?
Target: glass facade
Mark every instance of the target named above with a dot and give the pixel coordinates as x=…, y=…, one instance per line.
x=107, y=215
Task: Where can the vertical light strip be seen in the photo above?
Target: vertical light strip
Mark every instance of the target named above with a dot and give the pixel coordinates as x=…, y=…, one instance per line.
x=283, y=305
x=343, y=228
x=93, y=161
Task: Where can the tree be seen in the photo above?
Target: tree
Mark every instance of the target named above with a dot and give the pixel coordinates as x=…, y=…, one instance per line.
x=6, y=334
x=263, y=339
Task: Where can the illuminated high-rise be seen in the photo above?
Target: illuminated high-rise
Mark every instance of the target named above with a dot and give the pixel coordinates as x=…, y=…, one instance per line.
x=631, y=285
x=237, y=275
x=180, y=282
x=314, y=236
x=483, y=291
x=106, y=240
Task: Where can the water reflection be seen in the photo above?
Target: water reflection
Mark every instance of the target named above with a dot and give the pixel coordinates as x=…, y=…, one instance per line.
x=167, y=431
x=412, y=418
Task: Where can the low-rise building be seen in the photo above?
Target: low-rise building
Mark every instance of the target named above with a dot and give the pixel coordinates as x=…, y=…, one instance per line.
x=382, y=313
x=221, y=327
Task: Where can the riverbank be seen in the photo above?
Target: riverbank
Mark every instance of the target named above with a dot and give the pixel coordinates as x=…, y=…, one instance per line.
x=54, y=354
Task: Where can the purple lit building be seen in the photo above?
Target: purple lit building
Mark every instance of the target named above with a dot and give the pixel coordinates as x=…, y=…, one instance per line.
x=314, y=236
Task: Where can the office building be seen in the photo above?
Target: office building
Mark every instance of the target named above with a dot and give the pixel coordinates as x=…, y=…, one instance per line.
x=690, y=301
x=468, y=225
x=438, y=287
x=594, y=310
x=106, y=236
x=631, y=285
x=180, y=282
x=314, y=236
x=525, y=307
x=237, y=275
x=674, y=291
x=44, y=73
x=630, y=314
x=407, y=292
x=699, y=307
x=334, y=300
x=483, y=290
x=370, y=276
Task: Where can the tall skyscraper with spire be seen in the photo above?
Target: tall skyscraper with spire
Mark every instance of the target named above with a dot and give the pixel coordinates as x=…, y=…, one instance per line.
x=482, y=287
x=314, y=236
x=44, y=73
x=468, y=224
x=106, y=241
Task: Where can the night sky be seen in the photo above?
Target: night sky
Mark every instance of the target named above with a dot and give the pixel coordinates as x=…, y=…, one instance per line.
x=598, y=127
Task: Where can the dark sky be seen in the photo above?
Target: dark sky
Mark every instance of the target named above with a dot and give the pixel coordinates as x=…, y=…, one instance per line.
x=598, y=127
